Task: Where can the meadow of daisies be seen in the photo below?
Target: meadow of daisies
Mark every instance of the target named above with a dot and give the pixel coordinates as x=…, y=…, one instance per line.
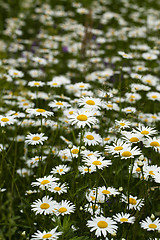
x=79, y=120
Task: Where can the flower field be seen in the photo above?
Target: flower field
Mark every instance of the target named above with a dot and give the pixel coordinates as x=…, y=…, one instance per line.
x=79, y=120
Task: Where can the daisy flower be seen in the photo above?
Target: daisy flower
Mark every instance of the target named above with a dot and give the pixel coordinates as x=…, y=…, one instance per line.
x=128, y=110
x=153, y=96
x=88, y=153
x=7, y=120
x=150, y=225
x=125, y=55
x=60, y=169
x=54, y=83
x=124, y=218
x=91, y=138
x=36, y=84
x=34, y=139
x=92, y=208
x=108, y=191
x=83, y=118
x=39, y=60
x=122, y=124
x=15, y=73
x=39, y=112
x=152, y=142
x=74, y=151
x=44, y=206
x=44, y=182
x=102, y=225
x=85, y=169
x=33, y=162
x=156, y=177
x=57, y=188
x=145, y=131
x=134, y=203
x=59, y=104
x=65, y=207
x=99, y=162
x=117, y=147
x=82, y=86
x=127, y=152
x=131, y=137
x=52, y=234
x=90, y=102
x=151, y=170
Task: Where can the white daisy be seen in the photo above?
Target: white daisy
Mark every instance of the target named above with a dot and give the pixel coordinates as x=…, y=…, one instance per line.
x=36, y=84
x=127, y=152
x=7, y=120
x=34, y=139
x=102, y=225
x=59, y=104
x=86, y=169
x=52, y=234
x=44, y=182
x=65, y=207
x=107, y=192
x=150, y=225
x=60, y=169
x=57, y=188
x=83, y=118
x=133, y=203
x=91, y=138
x=39, y=112
x=99, y=162
x=90, y=102
x=44, y=206
x=124, y=218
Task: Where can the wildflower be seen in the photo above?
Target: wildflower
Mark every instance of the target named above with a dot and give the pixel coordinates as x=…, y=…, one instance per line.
x=36, y=84
x=122, y=124
x=145, y=131
x=57, y=188
x=39, y=112
x=152, y=142
x=33, y=162
x=59, y=104
x=107, y=192
x=91, y=138
x=65, y=207
x=83, y=118
x=124, y=218
x=90, y=102
x=132, y=137
x=134, y=203
x=52, y=234
x=7, y=120
x=127, y=152
x=102, y=225
x=99, y=162
x=92, y=208
x=117, y=147
x=34, y=139
x=44, y=182
x=153, y=96
x=15, y=73
x=125, y=55
x=44, y=206
x=150, y=225
x=61, y=169
x=86, y=169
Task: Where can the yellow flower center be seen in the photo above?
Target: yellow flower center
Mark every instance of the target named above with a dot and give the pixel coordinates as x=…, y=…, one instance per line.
x=40, y=110
x=151, y=173
x=144, y=132
x=4, y=119
x=106, y=139
x=122, y=124
x=60, y=170
x=59, y=103
x=48, y=235
x=93, y=198
x=154, y=144
x=126, y=154
x=118, y=148
x=54, y=84
x=102, y=224
x=89, y=137
x=106, y=192
x=57, y=188
x=16, y=114
x=154, y=96
x=134, y=139
x=96, y=162
x=71, y=112
x=64, y=157
x=94, y=207
x=62, y=210
x=81, y=86
x=148, y=81
x=75, y=151
x=36, y=138
x=132, y=201
x=44, y=206
x=109, y=105
x=152, y=225
x=87, y=169
x=154, y=117
x=25, y=104
x=138, y=169
x=90, y=102
x=124, y=220
x=15, y=73
x=82, y=117
x=45, y=182
x=36, y=84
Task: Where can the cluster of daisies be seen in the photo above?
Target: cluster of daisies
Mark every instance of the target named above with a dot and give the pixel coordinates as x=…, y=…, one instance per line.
x=79, y=119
